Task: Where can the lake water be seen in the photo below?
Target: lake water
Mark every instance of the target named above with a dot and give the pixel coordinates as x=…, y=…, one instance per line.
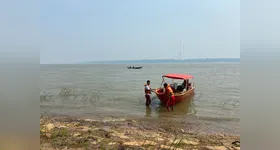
x=113, y=90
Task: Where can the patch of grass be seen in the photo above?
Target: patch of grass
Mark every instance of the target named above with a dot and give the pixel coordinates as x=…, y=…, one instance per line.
x=172, y=142
x=62, y=132
x=175, y=144
x=179, y=144
x=83, y=142
x=61, y=138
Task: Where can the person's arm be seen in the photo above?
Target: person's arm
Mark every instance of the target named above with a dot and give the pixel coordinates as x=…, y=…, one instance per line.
x=154, y=90
x=148, y=88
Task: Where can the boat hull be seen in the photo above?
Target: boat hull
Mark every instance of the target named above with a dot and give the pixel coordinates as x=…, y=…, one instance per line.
x=179, y=96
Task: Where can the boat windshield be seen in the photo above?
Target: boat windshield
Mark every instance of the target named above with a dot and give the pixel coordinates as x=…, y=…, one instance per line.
x=178, y=85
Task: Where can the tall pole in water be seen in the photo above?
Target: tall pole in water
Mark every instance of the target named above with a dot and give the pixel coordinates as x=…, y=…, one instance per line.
x=181, y=58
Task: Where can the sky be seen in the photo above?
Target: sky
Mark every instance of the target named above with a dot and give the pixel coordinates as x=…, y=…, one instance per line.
x=73, y=31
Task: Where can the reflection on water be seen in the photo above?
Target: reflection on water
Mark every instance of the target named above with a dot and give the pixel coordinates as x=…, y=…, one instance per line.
x=182, y=108
x=148, y=111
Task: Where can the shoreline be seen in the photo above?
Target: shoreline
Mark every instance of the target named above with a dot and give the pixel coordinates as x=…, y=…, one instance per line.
x=66, y=132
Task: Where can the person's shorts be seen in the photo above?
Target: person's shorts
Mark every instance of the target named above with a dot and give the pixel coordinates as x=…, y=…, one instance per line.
x=148, y=97
x=172, y=101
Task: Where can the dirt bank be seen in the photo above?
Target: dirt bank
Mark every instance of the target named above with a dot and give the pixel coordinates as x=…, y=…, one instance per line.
x=73, y=133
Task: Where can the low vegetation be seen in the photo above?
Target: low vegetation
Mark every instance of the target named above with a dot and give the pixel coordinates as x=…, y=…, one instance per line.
x=72, y=133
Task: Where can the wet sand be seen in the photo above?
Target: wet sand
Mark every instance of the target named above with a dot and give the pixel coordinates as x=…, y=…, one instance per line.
x=63, y=132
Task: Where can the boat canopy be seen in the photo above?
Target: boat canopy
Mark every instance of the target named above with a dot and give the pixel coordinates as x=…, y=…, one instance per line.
x=178, y=76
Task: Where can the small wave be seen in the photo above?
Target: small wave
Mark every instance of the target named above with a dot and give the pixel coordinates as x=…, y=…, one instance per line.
x=217, y=119
x=62, y=106
x=106, y=120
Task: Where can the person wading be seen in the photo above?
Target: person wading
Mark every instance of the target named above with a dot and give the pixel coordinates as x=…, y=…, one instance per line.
x=148, y=91
x=170, y=96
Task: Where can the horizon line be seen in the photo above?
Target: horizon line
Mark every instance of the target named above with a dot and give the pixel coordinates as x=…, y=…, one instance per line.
x=137, y=60
x=162, y=59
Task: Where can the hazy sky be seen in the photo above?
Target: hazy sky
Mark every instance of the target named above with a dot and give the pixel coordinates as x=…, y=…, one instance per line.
x=93, y=30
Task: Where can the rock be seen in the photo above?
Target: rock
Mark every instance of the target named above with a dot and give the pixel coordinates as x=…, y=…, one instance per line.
x=62, y=127
x=86, y=129
x=160, y=139
x=99, y=140
x=195, y=148
x=106, y=128
x=151, y=148
x=139, y=143
x=149, y=136
x=216, y=148
x=133, y=121
x=48, y=135
x=76, y=135
x=120, y=135
x=168, y=147
x=50, y=126
x=209, y=148
x=112, y=143
x=42, y=130
x=184, y=141
x=236, y=143
x=132, y=143
x=94, y=142
x=76, y=124
x=188, y=142
x=89, y=120
x=161, y=130
x=124, y=137
x=174, y=141
x=96, y=129
x=182, y=130
x=149, y=143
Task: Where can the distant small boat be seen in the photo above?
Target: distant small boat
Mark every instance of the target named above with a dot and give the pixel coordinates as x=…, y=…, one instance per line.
x=134, y=67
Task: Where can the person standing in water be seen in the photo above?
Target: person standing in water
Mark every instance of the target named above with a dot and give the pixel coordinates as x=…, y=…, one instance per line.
x=170, y=97
x=148, y=92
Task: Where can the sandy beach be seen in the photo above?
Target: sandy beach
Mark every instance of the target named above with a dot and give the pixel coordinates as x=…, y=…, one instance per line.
x=62, y=132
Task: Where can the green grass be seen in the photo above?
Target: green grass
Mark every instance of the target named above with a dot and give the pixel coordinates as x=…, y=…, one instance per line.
x=62, y=132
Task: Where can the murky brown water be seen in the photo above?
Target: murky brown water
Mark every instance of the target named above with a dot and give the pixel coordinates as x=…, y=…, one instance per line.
x=91, y=90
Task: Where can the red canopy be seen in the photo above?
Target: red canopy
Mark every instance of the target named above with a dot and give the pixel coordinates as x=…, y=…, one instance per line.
x=178, y=76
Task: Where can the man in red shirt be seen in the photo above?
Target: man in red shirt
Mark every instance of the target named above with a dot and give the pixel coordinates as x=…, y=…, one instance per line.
x=169, y=95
